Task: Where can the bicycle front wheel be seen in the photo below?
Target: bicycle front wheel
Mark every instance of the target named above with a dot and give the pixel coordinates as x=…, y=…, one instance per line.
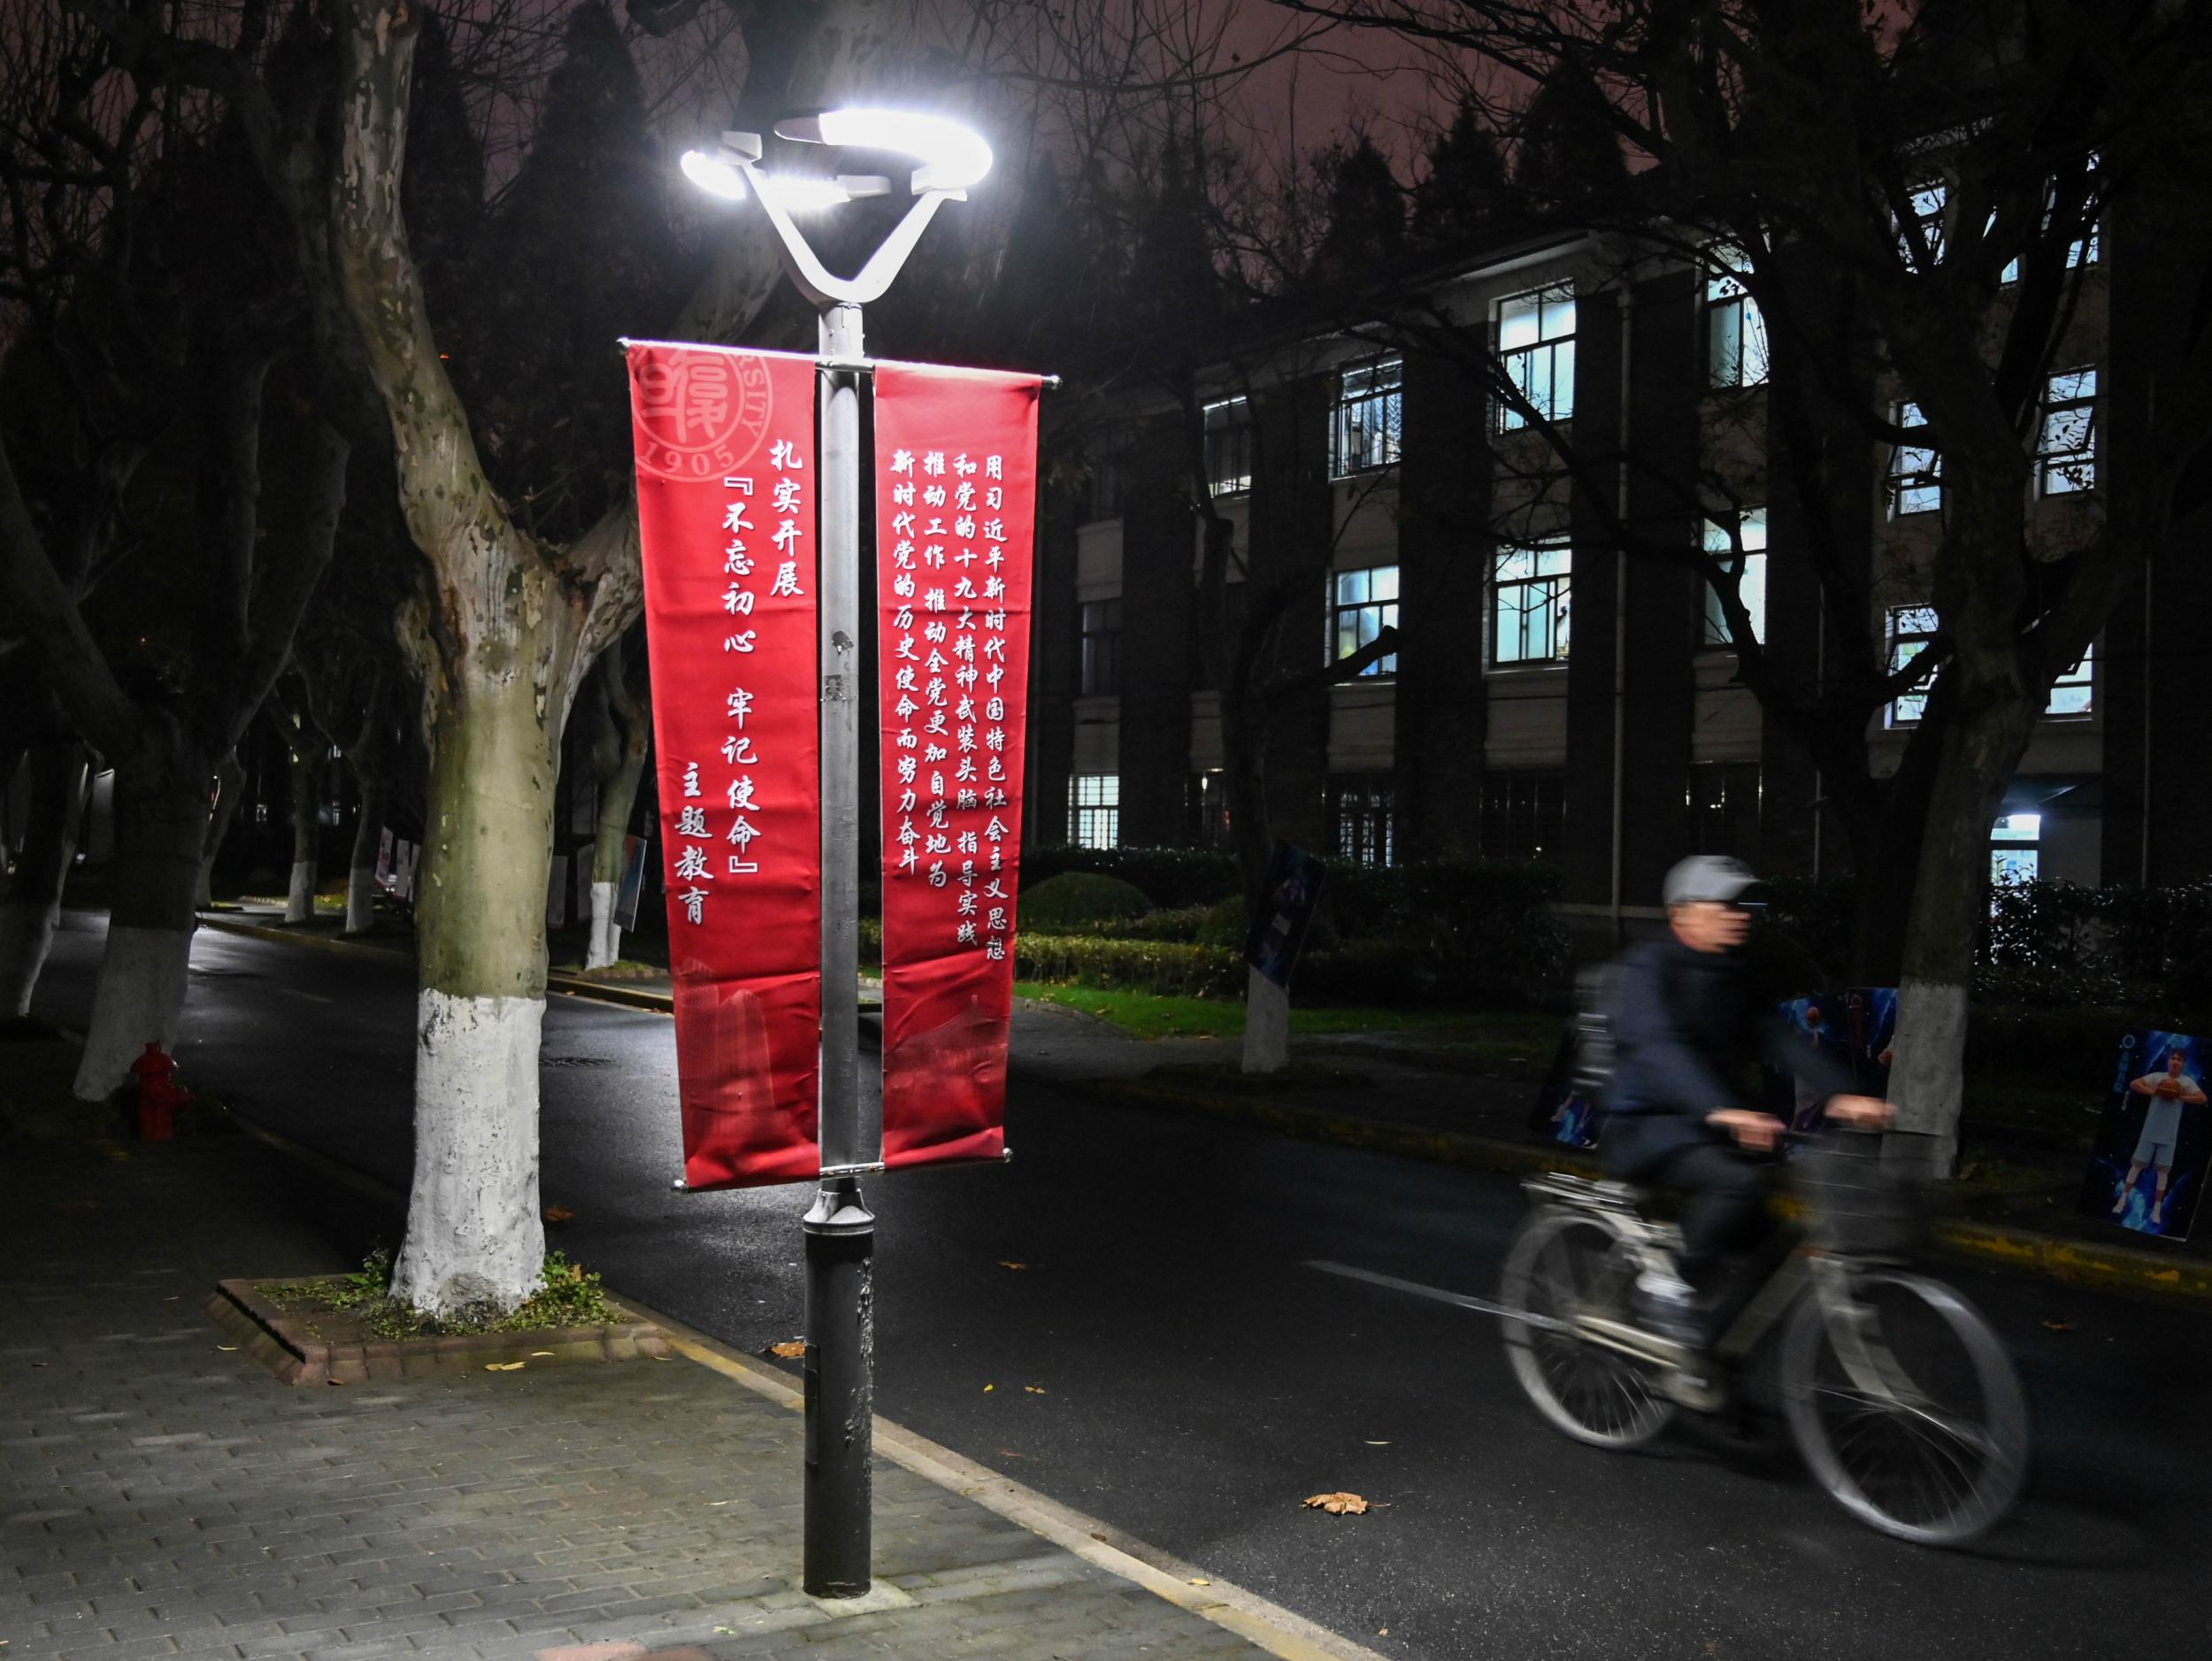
x=1907, y=1408
x=1564, y=1265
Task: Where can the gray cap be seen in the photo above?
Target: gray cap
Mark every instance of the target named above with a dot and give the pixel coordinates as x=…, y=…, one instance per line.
x=1707, y=876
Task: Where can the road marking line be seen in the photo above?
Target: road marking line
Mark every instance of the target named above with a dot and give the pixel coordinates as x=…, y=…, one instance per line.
x=1480, y=1305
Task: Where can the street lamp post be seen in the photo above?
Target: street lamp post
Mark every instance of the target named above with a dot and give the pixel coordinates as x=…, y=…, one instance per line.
x=840, y=1229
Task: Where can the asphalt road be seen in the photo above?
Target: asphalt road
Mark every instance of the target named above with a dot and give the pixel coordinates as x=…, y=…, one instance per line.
x=1166, y=1358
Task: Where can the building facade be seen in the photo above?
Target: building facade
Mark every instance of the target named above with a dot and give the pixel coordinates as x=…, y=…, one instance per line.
x=1554, y=695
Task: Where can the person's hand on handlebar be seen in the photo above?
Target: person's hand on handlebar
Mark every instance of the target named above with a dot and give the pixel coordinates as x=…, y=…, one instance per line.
x=1755, y=1133
x=1861, y=1113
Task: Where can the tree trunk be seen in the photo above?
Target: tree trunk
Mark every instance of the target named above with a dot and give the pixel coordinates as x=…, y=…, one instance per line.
x=474, y=1234
x=306, y=767
x=1950, y=908
x=230, y=784
x=59, y=772
x=161, y=811
x=617, y=797
x=368, y=833
x=1244, y=754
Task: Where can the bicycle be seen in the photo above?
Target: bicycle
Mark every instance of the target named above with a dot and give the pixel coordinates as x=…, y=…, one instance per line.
x=1897, y=1394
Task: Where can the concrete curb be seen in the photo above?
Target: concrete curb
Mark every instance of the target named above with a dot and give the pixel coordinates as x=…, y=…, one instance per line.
x=2077, y=1262
x=1251, y=1617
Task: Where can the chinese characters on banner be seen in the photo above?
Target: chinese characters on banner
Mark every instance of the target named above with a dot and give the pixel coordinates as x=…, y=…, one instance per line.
x=955, y=500
x=725, y=484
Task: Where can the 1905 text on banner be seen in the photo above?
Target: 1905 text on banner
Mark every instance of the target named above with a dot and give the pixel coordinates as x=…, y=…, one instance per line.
x=726, y=516
x=956, y=468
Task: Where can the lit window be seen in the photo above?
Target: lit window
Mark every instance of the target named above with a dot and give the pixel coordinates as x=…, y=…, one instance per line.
x=1735, y=332
x=1370, y=410
x=1360, y=810
x=2079, y=252
x=1751, y=585
x=1362, y=605
x=2015, y=851
x=1916, y=468
x=1529, y=603
x=1229, y=446
x=2066, y=443
x=1921, y=242
x=2072, y=693
x=1536, y=348
x=1910, y=630
x=1094, y=810
x=1102, y=647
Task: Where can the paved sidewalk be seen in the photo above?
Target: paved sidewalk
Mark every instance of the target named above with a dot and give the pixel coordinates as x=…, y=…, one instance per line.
x=161, y=1496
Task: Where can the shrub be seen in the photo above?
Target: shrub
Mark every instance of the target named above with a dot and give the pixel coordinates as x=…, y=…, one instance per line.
x=1076, y=900
x=1180, y=924
x=1171, y=968
x=1174, y=877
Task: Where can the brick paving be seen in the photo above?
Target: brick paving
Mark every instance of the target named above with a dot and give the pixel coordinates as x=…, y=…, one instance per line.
x=162, y=1495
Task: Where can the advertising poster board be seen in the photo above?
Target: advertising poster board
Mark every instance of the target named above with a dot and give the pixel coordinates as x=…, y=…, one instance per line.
x=2147, y=1171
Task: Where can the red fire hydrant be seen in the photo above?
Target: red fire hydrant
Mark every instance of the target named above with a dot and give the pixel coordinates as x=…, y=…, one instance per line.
x=159, y=1095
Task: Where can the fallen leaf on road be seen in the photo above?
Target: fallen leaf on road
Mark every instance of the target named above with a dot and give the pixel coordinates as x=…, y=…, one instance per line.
x=1379, y=1444
x=1033, y=1389
x=1202, y=1582
x=535, y=1354
x=988, y=1388
x=227, y=1346
x=500, y=1366
x=1008, y=1453
x=1337, y=1505
x=789, y=1348
x=2059, y=1325
x=557, y=1214
x=1004, y=1265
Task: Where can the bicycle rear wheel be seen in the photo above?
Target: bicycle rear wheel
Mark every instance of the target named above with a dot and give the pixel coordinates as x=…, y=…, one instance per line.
x=1920, y=1431
x=1564, y=1265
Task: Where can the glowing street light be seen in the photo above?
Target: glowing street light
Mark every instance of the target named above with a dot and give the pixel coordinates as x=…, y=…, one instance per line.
x=840, y=1229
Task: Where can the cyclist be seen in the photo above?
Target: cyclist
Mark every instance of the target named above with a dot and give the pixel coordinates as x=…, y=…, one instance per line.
x=1683, y=1027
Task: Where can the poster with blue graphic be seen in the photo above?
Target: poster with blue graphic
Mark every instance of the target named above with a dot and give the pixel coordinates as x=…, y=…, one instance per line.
x=1564, y=1114
x=2152, y=1151
x=1855, y=1030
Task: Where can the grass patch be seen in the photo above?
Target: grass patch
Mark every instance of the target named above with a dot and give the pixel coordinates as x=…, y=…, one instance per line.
x=568, y=1294
x=1156, y=1015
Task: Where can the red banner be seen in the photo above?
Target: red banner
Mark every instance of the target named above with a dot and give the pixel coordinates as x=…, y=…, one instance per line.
x=726, y=487
x=955, y=509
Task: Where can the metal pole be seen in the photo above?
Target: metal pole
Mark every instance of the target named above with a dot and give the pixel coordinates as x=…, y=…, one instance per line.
x=839, y=1230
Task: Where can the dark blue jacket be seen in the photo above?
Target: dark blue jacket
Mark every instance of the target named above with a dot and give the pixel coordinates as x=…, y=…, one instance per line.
x=1683, y=1027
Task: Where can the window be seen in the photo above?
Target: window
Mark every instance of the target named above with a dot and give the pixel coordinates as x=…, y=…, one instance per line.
x=2015, y=849
x=1921, y=242
x=1102, y=647
x=1751, y=585
x=1916, y=469
x=1529, y=604
x=1094, y=810
x=1207, y=797
x=2066, y=445
x=2073, y=693
x=1536, y=348
x=1229, y=446
x=1362, y=821
x=1523, y=815
x=1735, y=334
x=1105, y=499
x=2080, y=252
x=1722, y=798
x=1369, y=408
x=1910, y=630
x=1362, y=605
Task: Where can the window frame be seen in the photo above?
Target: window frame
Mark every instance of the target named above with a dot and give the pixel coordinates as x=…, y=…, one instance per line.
x=1229, y=441
x=1725, y=293
x=2083, y=674
x=1561, y=601
x=1390, y=398
x=1370, y=836
x=2001, y=845
x=1089, y=682
x=1902, y=482
x=1751, y=585
x=1108, y=810
x=1386, y=611
x=2051, y=462
x=1894, y=635
x=1535, y=800
x=1509, y=420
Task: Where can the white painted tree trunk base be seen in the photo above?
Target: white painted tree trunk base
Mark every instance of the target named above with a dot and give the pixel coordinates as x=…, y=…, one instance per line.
x=26, y=932
x=1266, y=1024
x=1925, y=1078
x=606, y=938
x=360, y=899
x=475, y=1237
x=138, y=1000
x=299, y=903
